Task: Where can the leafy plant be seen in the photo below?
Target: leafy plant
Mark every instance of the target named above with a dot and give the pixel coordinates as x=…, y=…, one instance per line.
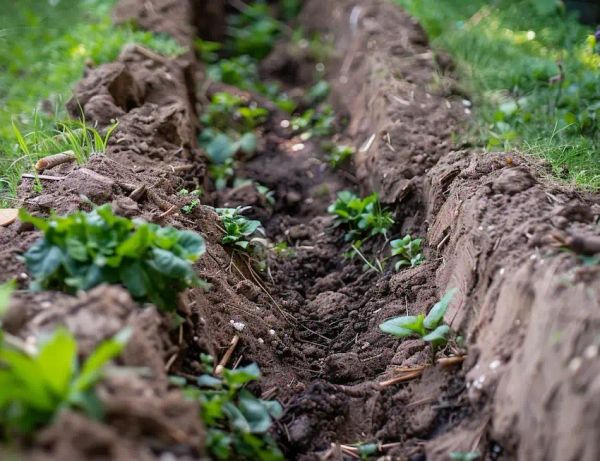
x=230, y=112
x=241, y=231
x=82, y=250
x=429, y=328
x=318, y=92
x=338, y=155
x=360, y=216
x=190, y=207
x=34, y=387
x=314, y=122
x=253, y=31
x=237, y=422
x=207, y=50
x=408, y=250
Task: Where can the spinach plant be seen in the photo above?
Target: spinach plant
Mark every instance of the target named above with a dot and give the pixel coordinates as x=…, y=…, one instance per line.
x=230, y=112
x=237, y=422
x=82, y=250
x=314, y=122
x=430, y=328
x=34, y=387
x=240, y=231
x=408, y=250
x=360, y=216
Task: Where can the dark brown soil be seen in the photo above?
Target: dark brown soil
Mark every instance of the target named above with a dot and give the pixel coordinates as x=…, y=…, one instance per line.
x=527, y=387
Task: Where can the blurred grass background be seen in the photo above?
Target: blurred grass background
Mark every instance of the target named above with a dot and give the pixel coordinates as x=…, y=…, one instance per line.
x=531, y=70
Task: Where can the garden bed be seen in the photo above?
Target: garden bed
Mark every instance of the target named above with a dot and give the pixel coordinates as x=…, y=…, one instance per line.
x=522, y=384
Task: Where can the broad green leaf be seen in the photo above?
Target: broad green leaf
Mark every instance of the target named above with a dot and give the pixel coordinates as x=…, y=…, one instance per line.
x=192, y=244
x=404, y=326
x=255, y=413
x=209, y=381
x=134, y=278
x=39, y=223
x=56, y=362
x=221, y=148
x=439, y=336
x=6, y=290
x=248, y=143
x=43, y=259
x=437, y=312
x=237, y=378
x=137, y=244
x=236, y=417
x=170, y=265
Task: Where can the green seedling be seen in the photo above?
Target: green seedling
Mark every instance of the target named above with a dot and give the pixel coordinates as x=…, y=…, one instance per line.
x=82, y=250
x=267, y=193
x=429, y=328
x=230, y=112
x=314, y=122
x=240, y=231
x=409, y=251
x=290, y=8
x=253, y=31
x=237, y=422
x=190, y=207
x=283, y=250
x=34, y=387
x=338, y=155
x=360, y=216
x=241, y=71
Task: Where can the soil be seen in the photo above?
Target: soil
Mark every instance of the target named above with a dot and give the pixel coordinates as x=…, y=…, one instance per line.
x=524, y=385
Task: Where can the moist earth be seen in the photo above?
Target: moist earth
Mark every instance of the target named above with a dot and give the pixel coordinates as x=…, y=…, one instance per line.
x=527, y=387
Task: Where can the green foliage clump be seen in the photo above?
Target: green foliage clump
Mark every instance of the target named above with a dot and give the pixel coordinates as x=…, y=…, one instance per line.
x=83, y=250
x=465, y=455
x=237, y=422
x=360, y=216
x=314, y=122
x=429, y=328
x=230, y=112
x=240, y=231
x=253, y=31
x=408, y=250
x=35, y=386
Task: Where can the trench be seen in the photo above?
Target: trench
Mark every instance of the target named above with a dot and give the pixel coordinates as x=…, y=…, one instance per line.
x=319, y=295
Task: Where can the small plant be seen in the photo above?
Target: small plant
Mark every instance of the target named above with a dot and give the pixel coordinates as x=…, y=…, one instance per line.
x=314, y=122
x=36, y=386
x=429, y=328
x=207, y=50
x=318, y=92
x=82, y=250
x=230, y=112
x=360, y=216
x=190, y=207
x=338, y=155
x=241, y=231
x=237, y=422
x=408, y=250
x=253, y=31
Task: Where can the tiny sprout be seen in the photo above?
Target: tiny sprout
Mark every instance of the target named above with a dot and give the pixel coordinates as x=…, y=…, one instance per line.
x=339, y=154
x=429, y=328
x=408, y=251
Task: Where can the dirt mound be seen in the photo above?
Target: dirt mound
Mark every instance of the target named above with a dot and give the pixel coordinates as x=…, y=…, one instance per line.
x=489, y=222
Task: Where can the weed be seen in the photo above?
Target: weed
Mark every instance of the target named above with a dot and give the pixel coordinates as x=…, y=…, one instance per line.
x=283, y=250
x=429, y=328
x=237, y=422
x=82, y=250
x=207, y=50
x=360, y=216
x=190, y=207
x=408, y=251
x=35, y=386
x=240, y=231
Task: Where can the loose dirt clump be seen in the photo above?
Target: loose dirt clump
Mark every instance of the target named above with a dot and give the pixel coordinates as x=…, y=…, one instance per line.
x=490, y=222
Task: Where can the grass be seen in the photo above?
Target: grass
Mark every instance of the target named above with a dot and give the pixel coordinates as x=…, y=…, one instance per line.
x=531, y=71
x=44, y=46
